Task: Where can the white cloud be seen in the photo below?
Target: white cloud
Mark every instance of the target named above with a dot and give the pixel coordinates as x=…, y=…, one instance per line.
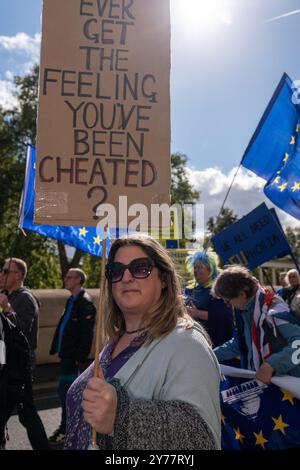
x=23, y=52
x=246, y=193
x=9, y=75
x=22, y=43
x=7, y=99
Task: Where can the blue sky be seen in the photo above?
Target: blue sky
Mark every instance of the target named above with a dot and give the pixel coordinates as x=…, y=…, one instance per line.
x=226, y=64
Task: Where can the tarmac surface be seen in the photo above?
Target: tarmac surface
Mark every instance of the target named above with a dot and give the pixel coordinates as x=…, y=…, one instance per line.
x=47, y=404
x=17, y=433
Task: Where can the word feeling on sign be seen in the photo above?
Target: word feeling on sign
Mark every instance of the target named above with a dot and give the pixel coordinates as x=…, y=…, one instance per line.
x=252, y=240
x=104, y=108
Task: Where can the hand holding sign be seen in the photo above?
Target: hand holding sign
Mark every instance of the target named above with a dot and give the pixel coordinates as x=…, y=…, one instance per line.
x=99, y=404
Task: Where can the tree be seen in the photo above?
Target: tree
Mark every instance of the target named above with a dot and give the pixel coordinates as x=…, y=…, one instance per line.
x=17, y=129
x=217, y=224
x=181, y=188
x=293, y=236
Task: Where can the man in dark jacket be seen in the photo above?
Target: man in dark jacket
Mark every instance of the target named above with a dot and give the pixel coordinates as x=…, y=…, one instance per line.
x=72, y=340
x=16, y=300
x=3, y=380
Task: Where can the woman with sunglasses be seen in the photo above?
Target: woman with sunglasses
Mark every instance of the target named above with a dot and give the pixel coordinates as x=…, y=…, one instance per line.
x=159, y=379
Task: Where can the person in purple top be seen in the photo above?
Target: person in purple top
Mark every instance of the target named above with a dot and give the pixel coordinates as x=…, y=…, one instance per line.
x=158, y=386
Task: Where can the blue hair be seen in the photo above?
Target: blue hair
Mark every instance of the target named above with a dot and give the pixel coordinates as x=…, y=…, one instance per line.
x=206, y=259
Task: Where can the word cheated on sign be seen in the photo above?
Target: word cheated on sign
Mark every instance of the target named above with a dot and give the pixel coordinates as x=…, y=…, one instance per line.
x=104, y=106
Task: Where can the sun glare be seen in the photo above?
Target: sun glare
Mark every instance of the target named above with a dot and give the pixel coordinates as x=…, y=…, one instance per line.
x=202, y=15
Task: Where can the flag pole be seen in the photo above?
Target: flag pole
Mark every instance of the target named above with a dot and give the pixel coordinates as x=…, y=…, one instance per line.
x=223, y=205
x=99, y=326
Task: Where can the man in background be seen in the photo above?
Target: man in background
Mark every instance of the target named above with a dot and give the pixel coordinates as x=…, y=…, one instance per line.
x=283, y=290
x=72, y=341
x=18, y=301
x=292, y=293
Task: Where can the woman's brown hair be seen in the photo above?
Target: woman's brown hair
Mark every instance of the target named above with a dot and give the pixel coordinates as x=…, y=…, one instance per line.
x=234, y=280
x=163, y=317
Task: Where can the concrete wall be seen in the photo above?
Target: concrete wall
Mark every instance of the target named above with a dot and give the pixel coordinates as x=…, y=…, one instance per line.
x=52, y=306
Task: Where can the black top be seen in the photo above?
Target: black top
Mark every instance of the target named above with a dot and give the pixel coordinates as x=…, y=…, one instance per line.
x=78, y=332
x=26, y=307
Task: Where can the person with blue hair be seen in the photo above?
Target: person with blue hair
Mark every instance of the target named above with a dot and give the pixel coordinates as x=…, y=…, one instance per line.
x=213, y=314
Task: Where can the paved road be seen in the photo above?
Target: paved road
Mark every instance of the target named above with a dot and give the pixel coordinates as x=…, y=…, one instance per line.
x=17, y=434
x=47, y=404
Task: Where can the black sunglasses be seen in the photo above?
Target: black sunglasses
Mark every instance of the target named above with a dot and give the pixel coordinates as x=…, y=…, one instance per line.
x=139, y=268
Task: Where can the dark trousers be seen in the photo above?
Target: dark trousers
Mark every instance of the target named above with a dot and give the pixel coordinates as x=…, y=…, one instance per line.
x=68, y=373
x=30, y=419
x=22, y=400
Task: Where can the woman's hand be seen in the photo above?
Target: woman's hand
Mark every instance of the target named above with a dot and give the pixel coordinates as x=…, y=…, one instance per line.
x=100, y=404
x=196, y=312
x=264, y=373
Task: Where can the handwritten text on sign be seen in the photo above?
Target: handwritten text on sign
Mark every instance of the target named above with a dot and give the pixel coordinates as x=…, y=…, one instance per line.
x=104, y=107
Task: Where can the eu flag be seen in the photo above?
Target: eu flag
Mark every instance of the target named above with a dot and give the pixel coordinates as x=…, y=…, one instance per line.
x=274, y=150
x=256, y=416
x=88, y=239
x=284, y=188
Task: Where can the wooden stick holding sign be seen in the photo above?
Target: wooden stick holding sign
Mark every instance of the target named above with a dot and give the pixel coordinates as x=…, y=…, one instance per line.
x=99, y=325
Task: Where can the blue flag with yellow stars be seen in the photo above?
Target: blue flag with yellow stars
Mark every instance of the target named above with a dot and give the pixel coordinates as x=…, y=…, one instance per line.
x=256, y=416
x=284, y=188
x=88, y=239
x=274, y=150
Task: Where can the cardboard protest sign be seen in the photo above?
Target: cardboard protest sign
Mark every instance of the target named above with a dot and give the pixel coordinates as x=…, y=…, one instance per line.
x=255, y=238
x=104, y=108
x=179, y=257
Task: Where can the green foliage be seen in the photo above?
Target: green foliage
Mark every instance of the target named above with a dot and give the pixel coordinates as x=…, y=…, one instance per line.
x=217, y=224
x=181, y=189
x=43, y=268
x=293, y=236
x=92, y=267
x=17, y=129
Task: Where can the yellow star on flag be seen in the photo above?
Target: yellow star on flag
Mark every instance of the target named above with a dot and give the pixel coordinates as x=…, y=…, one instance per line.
x=293, y=140
x=286, y=157
x=276, y=180
x=278, y=172
x=260, y=440
x=282, y=187
x=97, y=240
x=296, y=187
x=279, y=424
x=298, y=128
x=83, y=231
x=287, y=396
x=238, y=435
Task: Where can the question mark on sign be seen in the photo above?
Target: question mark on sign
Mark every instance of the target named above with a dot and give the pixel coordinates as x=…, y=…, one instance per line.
x=104, y=197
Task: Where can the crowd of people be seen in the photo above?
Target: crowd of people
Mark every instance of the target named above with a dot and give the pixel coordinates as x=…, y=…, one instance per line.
x=159, y=370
